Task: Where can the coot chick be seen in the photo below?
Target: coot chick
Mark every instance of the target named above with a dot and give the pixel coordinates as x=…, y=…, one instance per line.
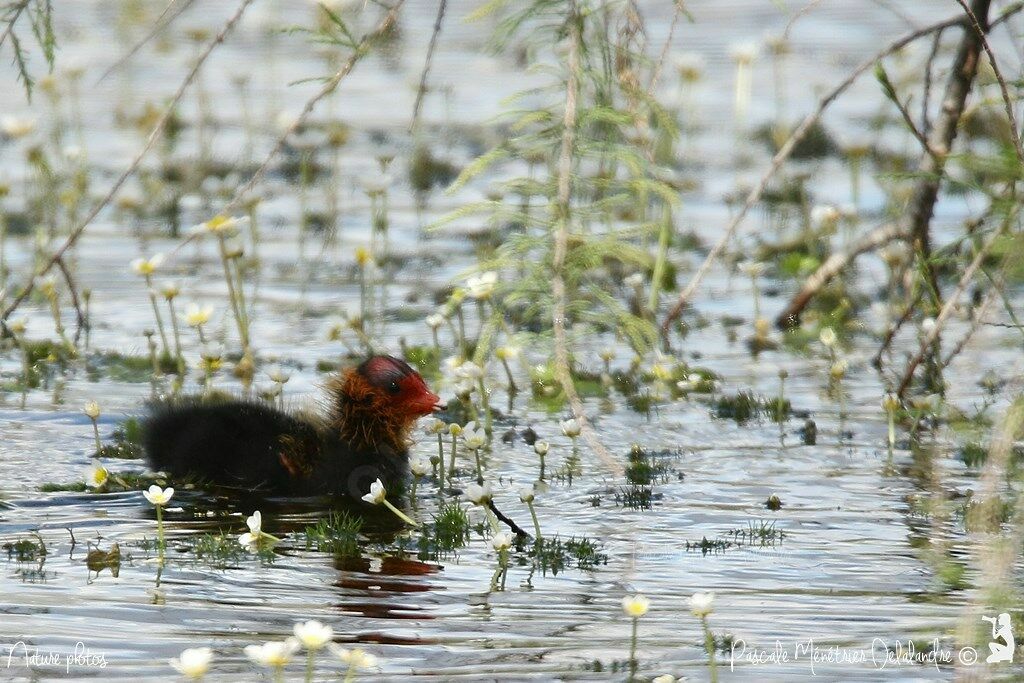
x=250, y=445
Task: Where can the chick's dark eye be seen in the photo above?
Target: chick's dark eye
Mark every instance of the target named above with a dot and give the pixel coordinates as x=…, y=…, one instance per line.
x=393, y=388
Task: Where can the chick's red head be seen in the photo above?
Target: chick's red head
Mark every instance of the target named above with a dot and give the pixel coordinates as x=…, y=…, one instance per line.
x=402, y=387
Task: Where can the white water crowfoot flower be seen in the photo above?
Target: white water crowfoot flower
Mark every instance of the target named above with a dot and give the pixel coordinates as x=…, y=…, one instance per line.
x=193, y=663
x=169, y=290
x=197, y=316
x=541, y=448
x=15, y=127
x=827, y=337
x=501, y=542
x=838, y=369
x=890, y=404
x=482, y=495
x=753, y=269
x=481, y=287
x=159, y=497
x=434, y=322
x=702, y=604
x=475, y=438
x=274, y=655
x=96, y=477
x=420, y=467
x=505, y=354
x=571, y=428
x=92, y=411
x=222, y=225
x=255, y=536
x=469, y=370
x=377, y=496
x=146, y=267
x=438, y=428
x=635, y=606
x=527, y=495
x=313, y=636
x=479, y=494
x=471, y=376
x=279, y=377
x=356, y=658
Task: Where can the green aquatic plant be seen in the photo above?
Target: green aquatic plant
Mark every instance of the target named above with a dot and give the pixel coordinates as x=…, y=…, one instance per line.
x=38, y=14
x=554, y=554
x=741, y=407
x=644, y=468
x=25, y=550
x=450, y=530
x=635, y=497
x=97, y=560
x=118, y=367
x=337, y=533
x=762, y=532
x=220, y=550
x=127, y=441
x=606, y=195
x=709, y=545
x=116, y=482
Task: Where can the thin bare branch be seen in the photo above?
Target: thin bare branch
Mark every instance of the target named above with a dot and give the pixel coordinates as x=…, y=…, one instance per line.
x=679, y=9
x=890, y=92
x=787, y=148
x=940, y=320
x=833, y=266
x=427, y=62
x=162, y=21
x=926, y=91
x=360, y=50
x=73, y=290
x=158, y=129
x=980, y=32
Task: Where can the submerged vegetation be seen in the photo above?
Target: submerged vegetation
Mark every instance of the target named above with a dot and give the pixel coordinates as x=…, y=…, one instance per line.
x=646, y=331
